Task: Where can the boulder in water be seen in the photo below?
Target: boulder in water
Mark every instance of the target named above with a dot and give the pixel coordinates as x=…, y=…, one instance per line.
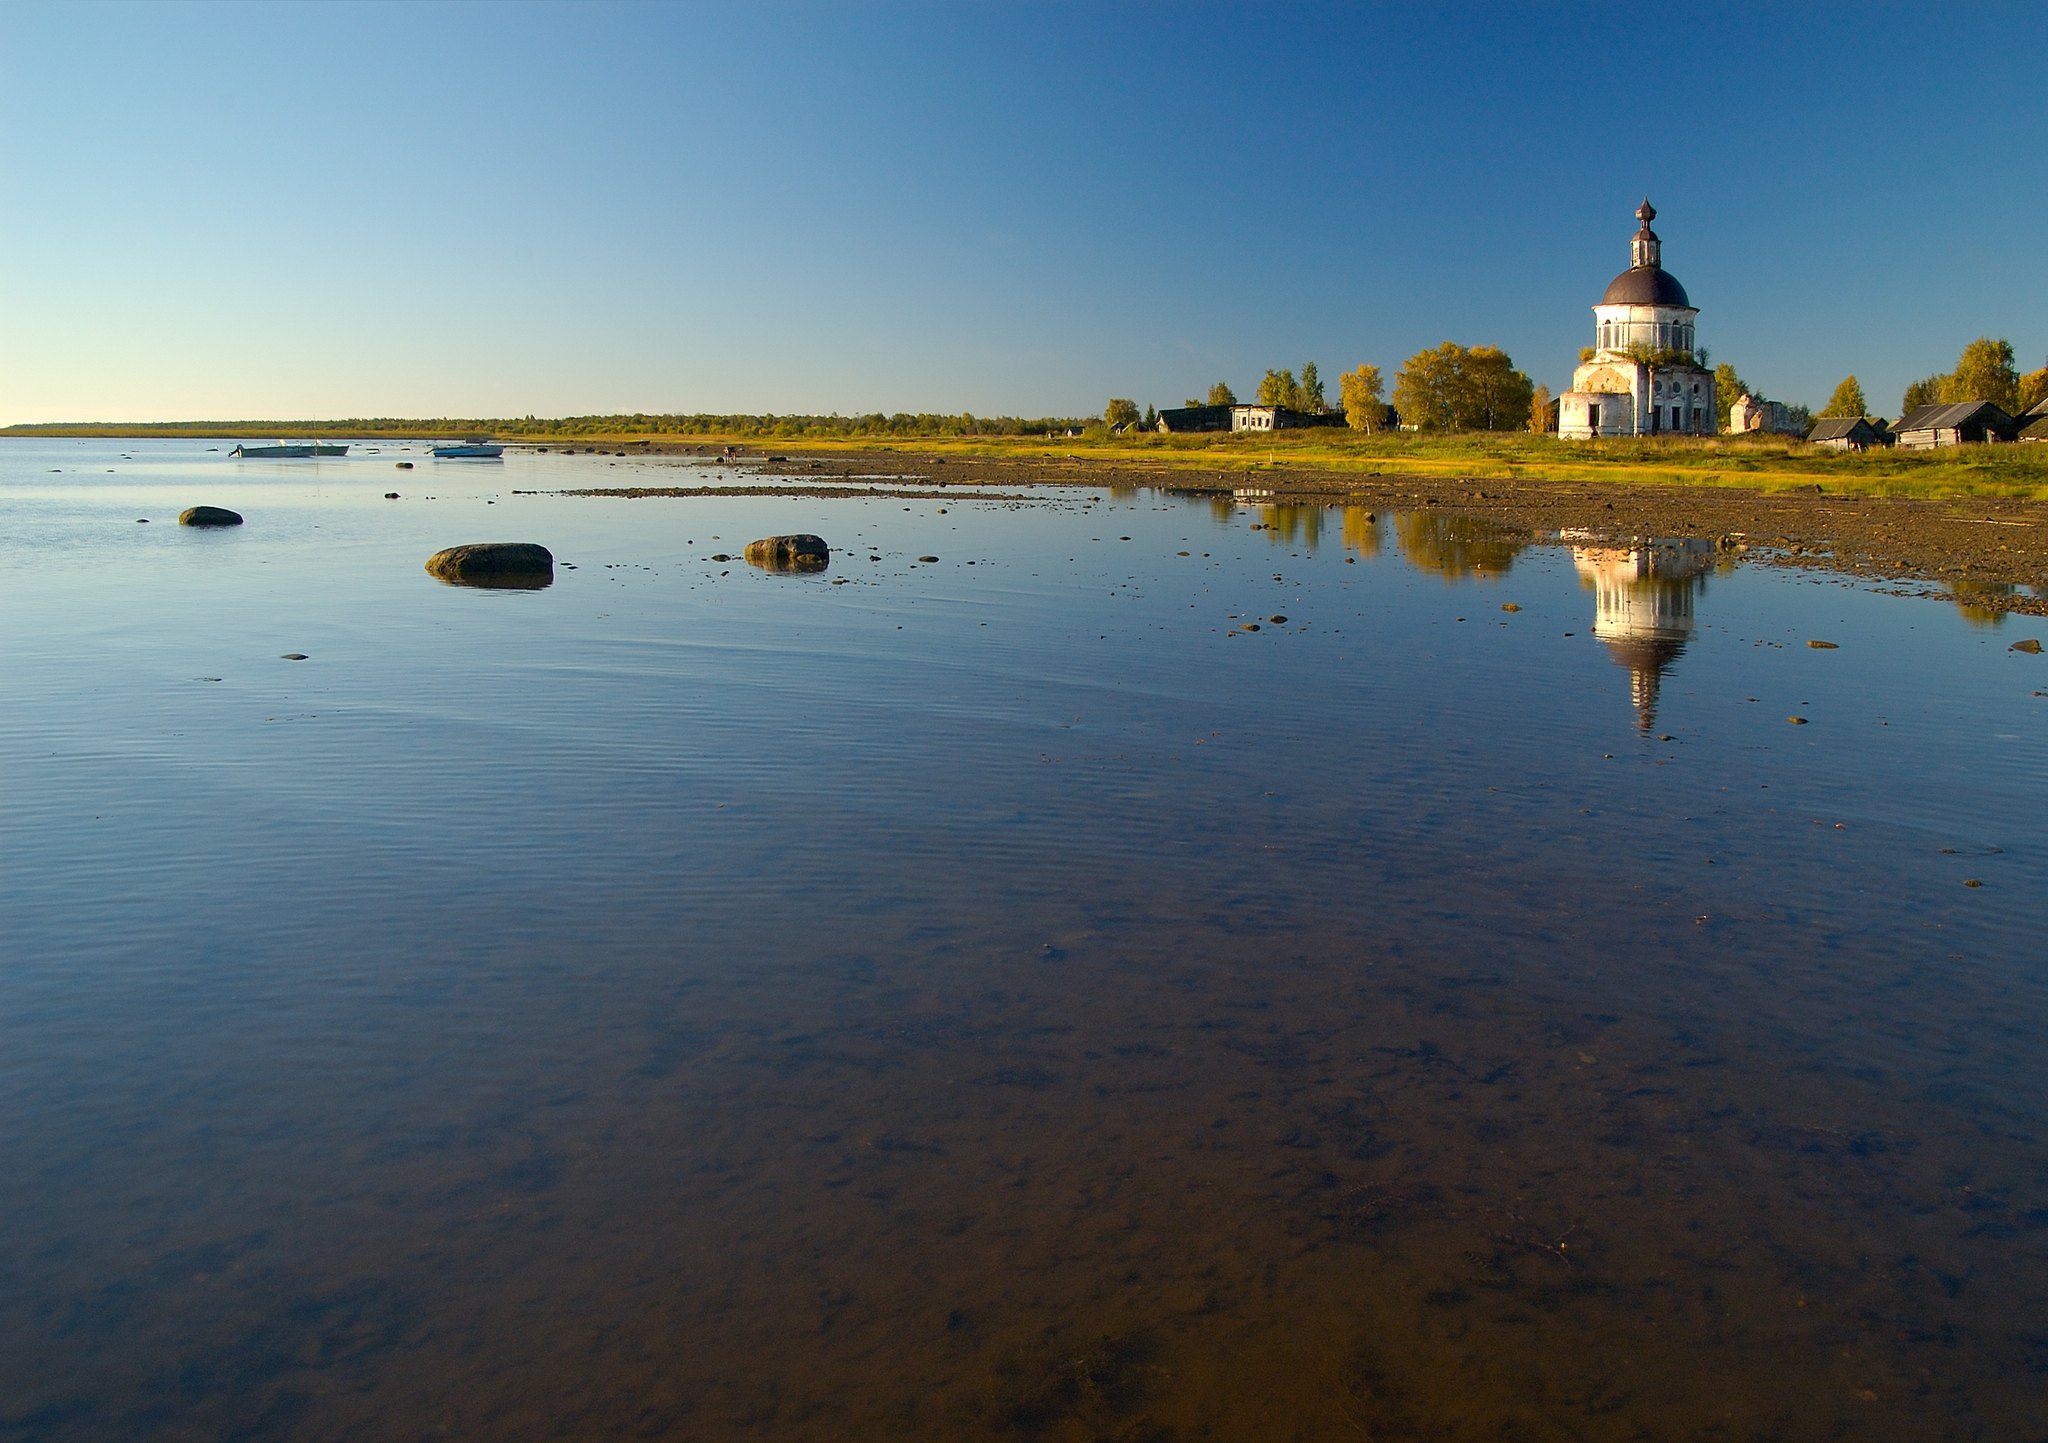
x=209, y=516
x=790, y=553
x=519, y=565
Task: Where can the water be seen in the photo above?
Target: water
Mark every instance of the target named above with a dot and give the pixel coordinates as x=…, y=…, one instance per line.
x=995, y=1001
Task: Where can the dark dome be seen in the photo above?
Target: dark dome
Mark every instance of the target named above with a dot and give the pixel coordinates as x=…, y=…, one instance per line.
x=1645, y=286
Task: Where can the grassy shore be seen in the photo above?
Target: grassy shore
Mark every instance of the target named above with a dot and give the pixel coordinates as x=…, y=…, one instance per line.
x=2016, y=472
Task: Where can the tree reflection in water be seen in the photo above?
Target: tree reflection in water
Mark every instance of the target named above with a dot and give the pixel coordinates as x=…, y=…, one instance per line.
x=1361, y=531
x=1643, y=607
x=1455, y=547
x=1970, y=596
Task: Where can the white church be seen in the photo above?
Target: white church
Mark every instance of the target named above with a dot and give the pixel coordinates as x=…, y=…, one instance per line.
x=1644, y=378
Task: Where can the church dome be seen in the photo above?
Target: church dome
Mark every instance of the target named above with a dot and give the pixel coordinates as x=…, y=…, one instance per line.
x=1645, y=286
x=1645, y=282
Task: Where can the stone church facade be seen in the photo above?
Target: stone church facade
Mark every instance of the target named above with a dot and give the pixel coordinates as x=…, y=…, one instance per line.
x=1644, y=378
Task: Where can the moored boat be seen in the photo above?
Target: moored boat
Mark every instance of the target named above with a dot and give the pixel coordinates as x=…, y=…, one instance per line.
x=289, y=451
x=470, y=450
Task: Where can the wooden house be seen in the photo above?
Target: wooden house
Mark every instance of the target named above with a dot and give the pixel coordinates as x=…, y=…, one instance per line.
x=1845, y=433
x=1955, y=423
x=2033, y=422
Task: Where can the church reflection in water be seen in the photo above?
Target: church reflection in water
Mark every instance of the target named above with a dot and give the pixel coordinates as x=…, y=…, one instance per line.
x=1643, y=607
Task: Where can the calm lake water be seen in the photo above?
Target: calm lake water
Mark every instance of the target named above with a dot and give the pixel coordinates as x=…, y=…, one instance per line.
x=997, y=997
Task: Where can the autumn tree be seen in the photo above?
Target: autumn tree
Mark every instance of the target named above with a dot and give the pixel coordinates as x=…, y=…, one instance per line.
x=1493, y=396
x=1120, y=412
x=1985, y=372
x=1365, y=406
x=2033, y=389
x=1279, y=388
x=1220, y=394
x=1455, y=389
x=1847, y=400
x=1542, y=412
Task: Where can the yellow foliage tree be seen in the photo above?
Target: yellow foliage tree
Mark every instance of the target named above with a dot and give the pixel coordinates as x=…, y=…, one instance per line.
x=1364, y=397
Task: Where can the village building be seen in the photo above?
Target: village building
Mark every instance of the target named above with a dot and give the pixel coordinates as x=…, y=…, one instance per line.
x=1845, y=433
x=1956, y=423
x=1175, y=419
x=1280, y=418
x=2033, y=423
x=1644, y=378
x=1754, y=413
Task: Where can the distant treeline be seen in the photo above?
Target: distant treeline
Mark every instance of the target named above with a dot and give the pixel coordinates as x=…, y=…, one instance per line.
x=638, y=424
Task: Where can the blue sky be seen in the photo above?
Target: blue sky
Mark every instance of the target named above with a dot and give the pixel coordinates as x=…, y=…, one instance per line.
x=324, y=211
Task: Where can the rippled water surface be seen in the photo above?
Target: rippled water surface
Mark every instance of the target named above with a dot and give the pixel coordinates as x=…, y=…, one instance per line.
x=997, y=997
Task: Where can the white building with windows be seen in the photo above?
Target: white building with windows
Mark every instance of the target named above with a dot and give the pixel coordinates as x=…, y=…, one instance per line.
x=1644, y=378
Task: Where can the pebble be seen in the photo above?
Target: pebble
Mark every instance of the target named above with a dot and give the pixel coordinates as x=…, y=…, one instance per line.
x=927, y=559
x=1509, y=606
x=1798, y=721
x=293, y=656
x=1277, y=620
x=390, y=495
x=1973, y=882
x=1823, y=646
x=142, y=521
x=405, y=465
x=2030, y=646
x=721, y=556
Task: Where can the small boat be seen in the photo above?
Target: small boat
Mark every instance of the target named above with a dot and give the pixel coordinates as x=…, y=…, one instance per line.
x=288, y=451
x=470, y=450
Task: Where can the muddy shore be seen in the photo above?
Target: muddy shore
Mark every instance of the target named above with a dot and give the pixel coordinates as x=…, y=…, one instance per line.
x=1982, y=547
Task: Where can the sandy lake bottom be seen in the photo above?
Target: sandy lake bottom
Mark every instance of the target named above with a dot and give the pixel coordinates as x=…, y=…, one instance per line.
x=1006, y=1000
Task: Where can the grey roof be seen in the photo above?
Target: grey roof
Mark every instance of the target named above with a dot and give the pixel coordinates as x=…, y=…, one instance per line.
x=1942, y=416
x=2039, y=408
x=2038, y=431
x=1834, y=428
x=1645, y=286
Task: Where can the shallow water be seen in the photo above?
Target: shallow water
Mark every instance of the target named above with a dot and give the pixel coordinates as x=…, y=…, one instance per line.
x=995, y=1000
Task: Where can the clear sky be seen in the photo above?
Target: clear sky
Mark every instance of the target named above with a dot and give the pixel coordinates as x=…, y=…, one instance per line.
x=304, y=211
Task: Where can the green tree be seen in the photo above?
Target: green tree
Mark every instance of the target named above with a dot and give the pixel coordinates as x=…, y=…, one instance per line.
x=1425, y=390
x=1365, y=406
x=1542, y=411
x=1493, y=395
x=1279, y=388
x=1151, y=420
x=1984, y=372
x=1728, y=389
x=1922, y=393
x=1455, y=389
x=1221, y=395
x=1847, y=400
x=1120, y=412
x=1311, y=393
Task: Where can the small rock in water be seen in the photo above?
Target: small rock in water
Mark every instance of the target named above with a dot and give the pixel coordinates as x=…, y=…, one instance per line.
x=1798, y=721
x=390, y=495
x=721, y=556
x=928, y=560
x=405, y=465
x=1251, y=626
x=142, y=521
x=2030, y=646
x=1973, y=882
x=209, y=516
x=512, y=565
x=293, y=656
x=800, y=552
x=1509, y=606
x=1277, y=620
x=1823, y=646
x=1180, y=553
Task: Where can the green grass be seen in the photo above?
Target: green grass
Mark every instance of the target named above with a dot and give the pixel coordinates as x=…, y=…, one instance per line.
x=2017, y=472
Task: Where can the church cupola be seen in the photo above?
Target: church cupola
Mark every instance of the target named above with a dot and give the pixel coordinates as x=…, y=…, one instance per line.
x=1646, y=251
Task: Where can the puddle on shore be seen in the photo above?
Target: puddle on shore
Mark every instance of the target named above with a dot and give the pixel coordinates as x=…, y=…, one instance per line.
x=999, y=996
